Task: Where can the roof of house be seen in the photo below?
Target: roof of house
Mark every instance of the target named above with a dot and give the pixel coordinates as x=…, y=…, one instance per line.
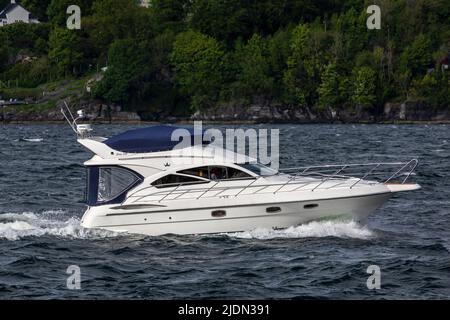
x=10, y=7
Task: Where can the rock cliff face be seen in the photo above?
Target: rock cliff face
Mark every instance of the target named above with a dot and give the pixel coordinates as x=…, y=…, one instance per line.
x=262, y=111
x=267, y=112
x=256, y=112
x=413, y=111
x=96, y=112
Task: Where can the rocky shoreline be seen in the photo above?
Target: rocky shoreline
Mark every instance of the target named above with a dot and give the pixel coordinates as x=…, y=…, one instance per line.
x=406, y=112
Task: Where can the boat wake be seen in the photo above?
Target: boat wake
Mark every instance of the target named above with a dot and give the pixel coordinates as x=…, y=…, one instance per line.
x=316, y=229
x=16, y=226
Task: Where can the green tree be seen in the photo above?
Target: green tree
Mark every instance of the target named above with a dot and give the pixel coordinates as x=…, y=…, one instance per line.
x=128, y=59
x=230, y=20
x=417, y=57
x=253, y=60
x=329, y=88
x=64, y=51
x=364, y=87
x=57, y=10
x=23, y=36
x=4, y=51
x=198, y=62
x=302, y=75
x=278, y=51
x=117, y=19
x=4, y=57
x=40, y=47
x=171, y=14
x=29, y=74
x=224, y=20
x=352, y=27
x=433, y=89
x=37, y=7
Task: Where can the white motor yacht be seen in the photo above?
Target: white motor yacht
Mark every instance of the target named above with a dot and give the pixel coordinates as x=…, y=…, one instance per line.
x=138, y=183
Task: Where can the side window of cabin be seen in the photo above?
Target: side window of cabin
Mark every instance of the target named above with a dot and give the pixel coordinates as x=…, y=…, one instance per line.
x=202, y=172
x=172, y=180
x=113, y=181
x=216, y=173
x=109, y=184
x=237, y=174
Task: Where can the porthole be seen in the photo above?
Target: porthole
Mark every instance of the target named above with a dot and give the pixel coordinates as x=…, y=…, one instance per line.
x=310, y=206
x=273, y=209
x=218, y=213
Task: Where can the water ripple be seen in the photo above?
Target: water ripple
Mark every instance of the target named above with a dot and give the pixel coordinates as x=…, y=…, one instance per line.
x=42, y=187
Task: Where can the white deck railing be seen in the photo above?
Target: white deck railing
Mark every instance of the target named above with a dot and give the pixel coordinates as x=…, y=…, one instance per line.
x=309, y=178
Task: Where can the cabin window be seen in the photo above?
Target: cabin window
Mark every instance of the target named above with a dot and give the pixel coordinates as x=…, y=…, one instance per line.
x=236, y=174
x=172, y=180
x=109, y=184
x=112, y=182
x=217, y=173
x=202, y=172
x=259, y=169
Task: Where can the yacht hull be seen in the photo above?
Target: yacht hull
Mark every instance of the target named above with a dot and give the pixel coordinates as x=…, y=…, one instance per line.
x=226, y=219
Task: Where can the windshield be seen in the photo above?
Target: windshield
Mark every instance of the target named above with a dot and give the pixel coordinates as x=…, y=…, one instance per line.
x=109, y=184
x=259, y=169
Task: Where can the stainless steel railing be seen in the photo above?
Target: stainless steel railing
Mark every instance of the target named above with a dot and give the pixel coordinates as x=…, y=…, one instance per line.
x=314, y=177
x=337, y=171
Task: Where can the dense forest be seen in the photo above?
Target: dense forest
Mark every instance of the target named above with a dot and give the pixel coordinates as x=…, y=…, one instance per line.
x=182, y=56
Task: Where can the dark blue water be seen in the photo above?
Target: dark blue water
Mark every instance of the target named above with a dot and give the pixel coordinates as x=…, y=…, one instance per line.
x=41, y=192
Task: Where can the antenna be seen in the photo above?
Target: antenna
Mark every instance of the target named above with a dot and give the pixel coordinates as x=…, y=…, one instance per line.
x=66, y=113
x=82, y=130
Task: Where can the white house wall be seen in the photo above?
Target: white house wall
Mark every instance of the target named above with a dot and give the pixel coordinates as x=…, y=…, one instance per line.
x=18, y=14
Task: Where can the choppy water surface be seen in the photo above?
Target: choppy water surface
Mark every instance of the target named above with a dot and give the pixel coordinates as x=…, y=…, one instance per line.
x=42, y=189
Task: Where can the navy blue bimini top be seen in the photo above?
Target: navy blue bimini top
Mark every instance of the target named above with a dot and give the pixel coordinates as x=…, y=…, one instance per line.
x=151, y=139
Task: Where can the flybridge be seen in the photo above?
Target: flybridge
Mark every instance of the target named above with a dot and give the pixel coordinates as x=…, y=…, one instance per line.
x=143, y=140
x=260, y=144
x=155, y=139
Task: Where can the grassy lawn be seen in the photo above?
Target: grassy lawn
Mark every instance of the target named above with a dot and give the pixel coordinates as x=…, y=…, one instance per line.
x=21, y=93
x=31, y=108
x=55, y=91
